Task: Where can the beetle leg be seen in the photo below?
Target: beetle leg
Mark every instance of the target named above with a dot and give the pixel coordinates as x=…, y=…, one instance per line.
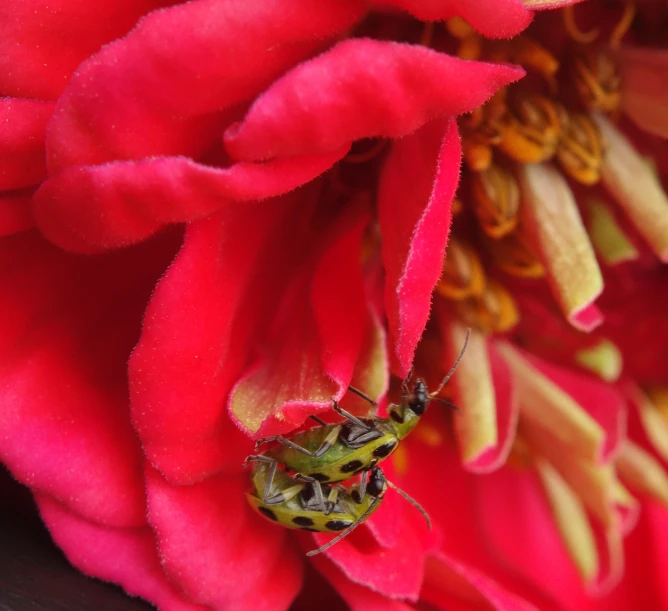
x=318, y=420
x=347, y=531
x=349, y=416
x=284, y=495
x=365, y=477
x=404, y=384
x=285, y=442
x=317, y=489
x=256, y=458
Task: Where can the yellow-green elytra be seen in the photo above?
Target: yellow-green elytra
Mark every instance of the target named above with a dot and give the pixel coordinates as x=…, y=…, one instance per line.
x=308, y=505
x=334, y=452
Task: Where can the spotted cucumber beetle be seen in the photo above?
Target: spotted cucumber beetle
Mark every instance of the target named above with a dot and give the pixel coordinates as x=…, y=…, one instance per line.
x=335, y=452
x=308, y=505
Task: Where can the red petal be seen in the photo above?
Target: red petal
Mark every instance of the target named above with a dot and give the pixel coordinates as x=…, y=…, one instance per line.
x=453, y=586
x=43, y=42
x=600, y=400
x=396, y=572
x=68, y=324
x=361, y=88
x=160, y=90
x=359, y=598
x=416, y=189
x=196, y=339
x=22, y=128
x=315, y=336
x=124, y=556
x=218, y=551
x=88, y=209
x=15, y=214
x=492, y=18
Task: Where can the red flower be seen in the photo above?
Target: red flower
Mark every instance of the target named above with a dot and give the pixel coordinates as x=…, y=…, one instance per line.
x=188, y=190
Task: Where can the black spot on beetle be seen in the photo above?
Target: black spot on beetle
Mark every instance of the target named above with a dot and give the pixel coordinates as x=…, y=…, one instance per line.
x=311, y=530
x=356, y=496
x=321, y=477
x=302, y=521
x=337, y=524
x=397, y=417
x=353, y=465
x=385, y=450
x=268, y=513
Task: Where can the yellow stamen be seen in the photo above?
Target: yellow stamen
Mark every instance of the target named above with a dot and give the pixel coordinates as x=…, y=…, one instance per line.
x=463, y=273
x=530, y=129
x=459, y=28
x=572, y=28
x=624, y=24
x=514, y=256
x=536, y=58
x=477, y=155
x=580, y=150
x=493, y=312
x=597, y=80
x=496, y=200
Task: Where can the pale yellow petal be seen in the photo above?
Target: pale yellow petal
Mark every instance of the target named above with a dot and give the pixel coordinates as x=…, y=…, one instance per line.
x=545, y=405
x=571, y=519
x=653, y=422
x=552, y=216
x=475, y=421
x=607, y=236
x=634, y=185
x=642, y=472
x=604, y=359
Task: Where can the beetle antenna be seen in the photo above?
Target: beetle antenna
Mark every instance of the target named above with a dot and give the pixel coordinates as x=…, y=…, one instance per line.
x=454, y=367
x=347, y=531
x=359, y=393
x=412, y=501
x=446, y=402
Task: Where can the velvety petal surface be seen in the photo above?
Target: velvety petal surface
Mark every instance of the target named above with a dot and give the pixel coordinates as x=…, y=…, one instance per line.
x=414, y=209
x=159, y=91
x=127, y=557
x=93, y=208
x=364, y=88
x=68, y=325
x=491, y=18
x=217, y=550
x=22, y=128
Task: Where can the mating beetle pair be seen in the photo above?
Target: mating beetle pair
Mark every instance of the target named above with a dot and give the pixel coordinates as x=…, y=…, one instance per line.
x=327, y=454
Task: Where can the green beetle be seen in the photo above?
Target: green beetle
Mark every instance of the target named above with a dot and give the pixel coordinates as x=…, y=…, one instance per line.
x=335, y=452
x=308, y=505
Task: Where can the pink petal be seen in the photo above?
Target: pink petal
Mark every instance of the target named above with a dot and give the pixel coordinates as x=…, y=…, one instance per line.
x=645, y=88
x=22, y=127
x=361, y=88
x=359, y=598
x=492, y=18
x=507, y=414
x=68, y=325
x=43, y=42
x=415, y=193
x=600, y=400
x=15, y=214
x=160, y=90
x=314, y=338
x=396, y=572
x=127, y=557
x=453, y=586
x=218, y=551
x=91, y=208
